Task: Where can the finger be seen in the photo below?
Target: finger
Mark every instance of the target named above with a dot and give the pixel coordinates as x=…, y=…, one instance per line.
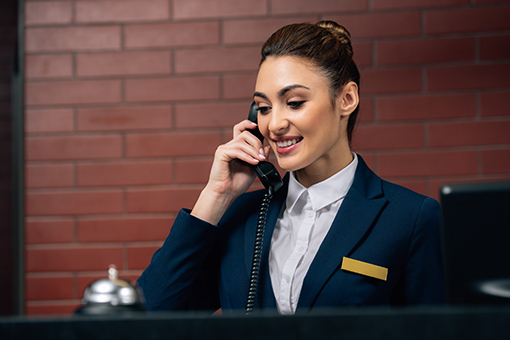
x=240, y=150
x=243, y=126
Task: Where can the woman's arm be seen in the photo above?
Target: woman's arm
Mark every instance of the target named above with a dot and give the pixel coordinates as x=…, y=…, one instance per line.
x=176, y=273
x=424, y=277
x=182, y=273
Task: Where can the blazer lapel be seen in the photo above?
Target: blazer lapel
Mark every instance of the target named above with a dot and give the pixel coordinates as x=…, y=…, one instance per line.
x=361, y=206
x=265, y=294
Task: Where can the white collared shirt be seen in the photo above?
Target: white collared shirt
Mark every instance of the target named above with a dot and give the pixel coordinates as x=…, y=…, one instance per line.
x=299, y=231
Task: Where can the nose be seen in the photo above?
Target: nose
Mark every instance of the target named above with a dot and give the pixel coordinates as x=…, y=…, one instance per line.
x=278, y=122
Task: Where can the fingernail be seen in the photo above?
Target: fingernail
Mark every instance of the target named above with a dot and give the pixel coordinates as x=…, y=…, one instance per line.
x=261, y=154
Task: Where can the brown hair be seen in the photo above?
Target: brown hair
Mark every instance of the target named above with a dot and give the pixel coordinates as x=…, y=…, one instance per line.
x=327, y=45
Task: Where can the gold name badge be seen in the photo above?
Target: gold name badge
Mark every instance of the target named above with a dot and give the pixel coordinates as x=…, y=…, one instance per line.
x=364, y=268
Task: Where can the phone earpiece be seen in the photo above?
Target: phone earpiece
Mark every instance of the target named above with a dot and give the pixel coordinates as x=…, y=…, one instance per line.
x=252, y=116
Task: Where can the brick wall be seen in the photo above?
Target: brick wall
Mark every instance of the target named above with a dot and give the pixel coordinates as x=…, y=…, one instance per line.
x=126, y=102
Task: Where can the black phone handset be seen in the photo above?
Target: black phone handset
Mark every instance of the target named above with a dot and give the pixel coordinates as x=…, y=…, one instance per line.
x=266, y=171
x=272, y=181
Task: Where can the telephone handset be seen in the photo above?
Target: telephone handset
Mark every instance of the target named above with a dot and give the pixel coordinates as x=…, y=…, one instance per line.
x=272, y=181
x=266, y=171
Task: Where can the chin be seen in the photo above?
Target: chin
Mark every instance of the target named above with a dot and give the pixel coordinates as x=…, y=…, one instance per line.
x=288, y=165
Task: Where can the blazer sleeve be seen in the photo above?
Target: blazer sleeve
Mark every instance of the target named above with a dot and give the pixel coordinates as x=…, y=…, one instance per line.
x=182, y=273
x=423, y=278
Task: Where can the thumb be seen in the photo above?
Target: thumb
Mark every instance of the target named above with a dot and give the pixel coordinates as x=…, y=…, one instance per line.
x=267, y=151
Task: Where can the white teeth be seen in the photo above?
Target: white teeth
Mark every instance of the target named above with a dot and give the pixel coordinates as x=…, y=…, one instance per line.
x=287, y=143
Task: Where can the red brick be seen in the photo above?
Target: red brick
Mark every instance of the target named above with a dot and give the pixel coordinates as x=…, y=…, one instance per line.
x=73, y=147
x=468, y=77
x=49, y=175
x=49, y=288
x=217, y=60
x=185, y=9
x=73, y=203
x=172, y=144
x=126, y=173
x=51, y=308
x=393, y=4
x=378, y=137
x=172, y=34
x=48, y=66
x=124, y=118
x=172, y=89
x=426, y=107
x=124, y=229
x=73, y=259
x=366, y=110
x=257, y=30
x=57, y=120
x=72, y=92
x=160, y=201
x=72, y=38
x=496, y=161
x=49, y=231
x=380, y=24
x=391, y=80
x=467, y=20
x=362, y=54
x=425, y=51
x=495, y=104
x=211, y=115
x=121, y=11
x=123, y=63
x=139, y=257
x=316, y=6
x=423, y=164
x=192, y=171
x=48, y=12
x=239, y=86
x=497, y=47
x=469, y=133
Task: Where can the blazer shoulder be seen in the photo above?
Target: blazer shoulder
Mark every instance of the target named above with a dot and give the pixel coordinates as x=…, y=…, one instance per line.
x=397, y=192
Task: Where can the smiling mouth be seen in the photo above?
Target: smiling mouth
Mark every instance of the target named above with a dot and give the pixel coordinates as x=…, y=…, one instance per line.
x=287, y=143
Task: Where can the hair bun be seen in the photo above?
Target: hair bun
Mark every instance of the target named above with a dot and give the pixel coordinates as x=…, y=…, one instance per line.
x=340, y=32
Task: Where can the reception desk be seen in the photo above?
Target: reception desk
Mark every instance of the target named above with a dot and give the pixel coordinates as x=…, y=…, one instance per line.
x=366, y=323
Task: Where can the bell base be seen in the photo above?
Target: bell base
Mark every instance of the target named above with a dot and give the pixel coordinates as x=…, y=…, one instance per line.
x=107, y=309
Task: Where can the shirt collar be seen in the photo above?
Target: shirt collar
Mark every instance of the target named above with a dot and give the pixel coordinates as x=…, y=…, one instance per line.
x=323, y=193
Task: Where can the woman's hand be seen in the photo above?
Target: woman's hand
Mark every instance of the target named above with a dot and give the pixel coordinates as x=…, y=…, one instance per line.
x=231, y=175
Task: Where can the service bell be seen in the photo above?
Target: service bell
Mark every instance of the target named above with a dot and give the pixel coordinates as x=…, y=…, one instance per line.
x=111, y=296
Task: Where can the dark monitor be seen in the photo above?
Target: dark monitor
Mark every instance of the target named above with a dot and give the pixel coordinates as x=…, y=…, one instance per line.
x=476, y=224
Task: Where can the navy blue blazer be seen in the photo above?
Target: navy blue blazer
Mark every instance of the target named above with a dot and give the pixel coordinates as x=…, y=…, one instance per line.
x=201, y=266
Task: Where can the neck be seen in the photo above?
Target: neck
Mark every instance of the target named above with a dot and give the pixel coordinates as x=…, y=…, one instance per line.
x=323, y=169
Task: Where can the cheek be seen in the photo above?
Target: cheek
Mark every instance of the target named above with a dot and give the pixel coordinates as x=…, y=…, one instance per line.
x=263, y=122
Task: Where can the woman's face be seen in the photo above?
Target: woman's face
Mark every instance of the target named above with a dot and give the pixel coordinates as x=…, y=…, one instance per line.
x=297, y=118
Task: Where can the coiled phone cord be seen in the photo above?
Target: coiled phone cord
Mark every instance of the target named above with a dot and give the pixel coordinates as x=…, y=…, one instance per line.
x=257, y=252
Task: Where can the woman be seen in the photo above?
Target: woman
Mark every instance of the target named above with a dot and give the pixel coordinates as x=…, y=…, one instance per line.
x=336, y=234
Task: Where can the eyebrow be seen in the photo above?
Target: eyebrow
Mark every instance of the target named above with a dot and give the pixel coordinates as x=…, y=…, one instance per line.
x=282, y=92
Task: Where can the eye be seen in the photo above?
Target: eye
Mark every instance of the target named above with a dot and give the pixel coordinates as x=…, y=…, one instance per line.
x=264, y=109
x=295, y=105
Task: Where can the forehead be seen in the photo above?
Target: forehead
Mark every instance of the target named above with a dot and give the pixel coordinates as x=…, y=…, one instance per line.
x=276, y=73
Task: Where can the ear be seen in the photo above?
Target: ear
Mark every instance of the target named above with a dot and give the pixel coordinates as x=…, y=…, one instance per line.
x=348, y=99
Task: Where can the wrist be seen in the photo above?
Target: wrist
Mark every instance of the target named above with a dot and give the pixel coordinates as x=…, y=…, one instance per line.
x=211, y=205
